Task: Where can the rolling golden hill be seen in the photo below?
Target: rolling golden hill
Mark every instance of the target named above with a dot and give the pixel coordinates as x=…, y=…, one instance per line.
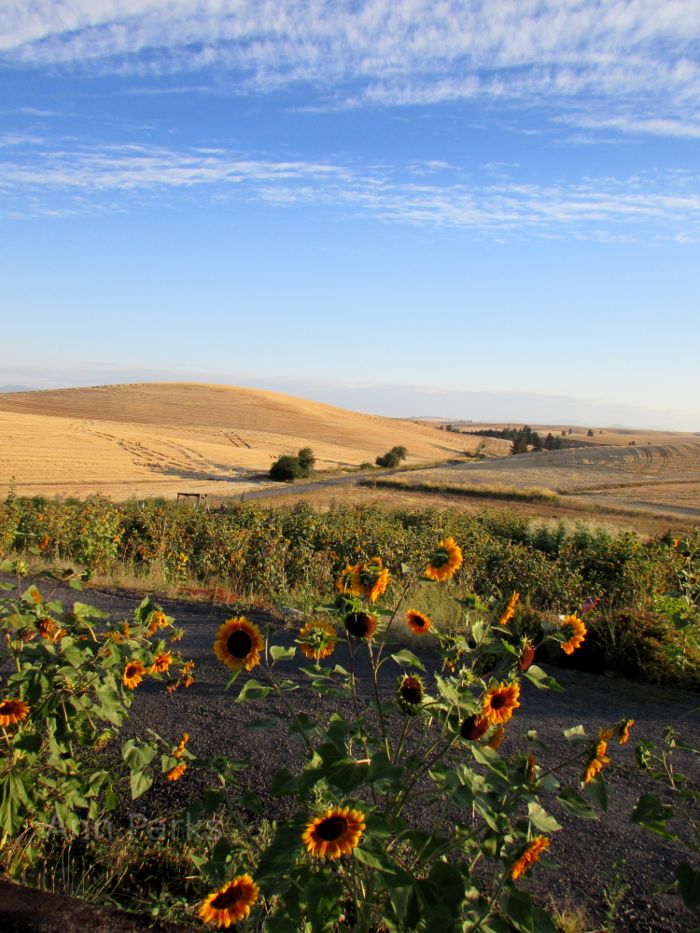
x=163, y=438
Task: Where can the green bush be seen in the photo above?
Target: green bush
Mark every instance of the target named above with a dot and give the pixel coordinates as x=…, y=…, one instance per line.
x=392, y=458
x=286, y=469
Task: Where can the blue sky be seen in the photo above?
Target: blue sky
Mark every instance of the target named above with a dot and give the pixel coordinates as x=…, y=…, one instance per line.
x=475, y=209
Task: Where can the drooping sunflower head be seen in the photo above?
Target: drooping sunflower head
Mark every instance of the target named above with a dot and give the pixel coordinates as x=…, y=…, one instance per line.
x=497, y=736
x=444, y=561
x=180, y=750
x=335, y=833
x=176, y=773
x=368, y=579
x=532, y=854
x=527, y=655
x=574, y=627
x=625, y=731
x=410, y=691
x=12, y=712
x=317, y=640
x=46, y=628
x=509, y=610
x=360, y=625
x=473, y=728
x=238, y=644
x=231, y=903
x=162, y=662
x=499, y=703
x=158, y=619
x=418, y=622
x=599, y=758
x=133, y=674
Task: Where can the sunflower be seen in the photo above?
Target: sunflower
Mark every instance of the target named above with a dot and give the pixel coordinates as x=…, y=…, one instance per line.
x=578, y=633
x=625, y=731
x=46, y=628
x=12, y=711
x=499, y=703
x=230, y=903
x=176, y=773
x=180, y=750
x=133, y=674
x=531, y=855
x=162, y=662
x=335, y=833
x=418, y=622
x=473, y=728
x=158, y=620
x=410, y=691
x=527, y=655
x=319, y=640
x=360, y=624
x=509, y=611
x=497, y=736
x=445, y=561
x=238, y=643
x=600, y=758
x=366, y=579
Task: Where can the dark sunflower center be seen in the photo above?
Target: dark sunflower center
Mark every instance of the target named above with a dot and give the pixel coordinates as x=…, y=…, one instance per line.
x=411, y=690
x=358, y=624
x=419, y=621
x=498, y=701
x=239, y=644
x=332, y=828
x=472, y=728
x=226, y=899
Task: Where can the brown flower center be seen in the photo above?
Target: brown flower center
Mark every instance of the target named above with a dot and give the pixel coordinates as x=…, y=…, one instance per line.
x=358, y=624
x=473, y=728
x=498, y=701
x=332, y=828
x=228, y=898
x=411, y=690
x=239, y=644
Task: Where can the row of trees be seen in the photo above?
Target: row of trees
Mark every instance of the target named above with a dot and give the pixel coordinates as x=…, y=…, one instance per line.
x=288, y=467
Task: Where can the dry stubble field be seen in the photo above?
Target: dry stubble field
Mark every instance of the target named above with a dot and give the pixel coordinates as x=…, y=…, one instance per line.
x=162, y=438
x=158, y=439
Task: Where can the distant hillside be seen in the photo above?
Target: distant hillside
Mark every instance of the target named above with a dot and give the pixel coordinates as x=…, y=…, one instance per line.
x=160, y=438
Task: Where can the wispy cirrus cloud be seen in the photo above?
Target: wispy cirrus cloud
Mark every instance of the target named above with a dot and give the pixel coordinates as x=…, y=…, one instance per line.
x=65, y=178
x=634, y=60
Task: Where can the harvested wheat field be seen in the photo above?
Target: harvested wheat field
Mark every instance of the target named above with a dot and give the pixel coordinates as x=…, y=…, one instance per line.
x=157, y=439
x=662, y=478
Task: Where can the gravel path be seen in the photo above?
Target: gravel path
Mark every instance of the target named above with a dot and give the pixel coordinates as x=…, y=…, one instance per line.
x=599, y=861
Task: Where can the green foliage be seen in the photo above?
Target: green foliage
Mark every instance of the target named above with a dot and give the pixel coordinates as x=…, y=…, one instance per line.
x=288, y=468
x=392, y=458
x=661, y=762
x=297, y=550
x=63, y=696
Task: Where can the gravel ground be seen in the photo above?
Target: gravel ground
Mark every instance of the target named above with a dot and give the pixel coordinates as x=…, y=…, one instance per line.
x=600, y=861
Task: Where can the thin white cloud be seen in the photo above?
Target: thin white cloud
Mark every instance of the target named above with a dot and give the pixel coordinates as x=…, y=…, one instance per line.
x=636, y=58
x=74, y=179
